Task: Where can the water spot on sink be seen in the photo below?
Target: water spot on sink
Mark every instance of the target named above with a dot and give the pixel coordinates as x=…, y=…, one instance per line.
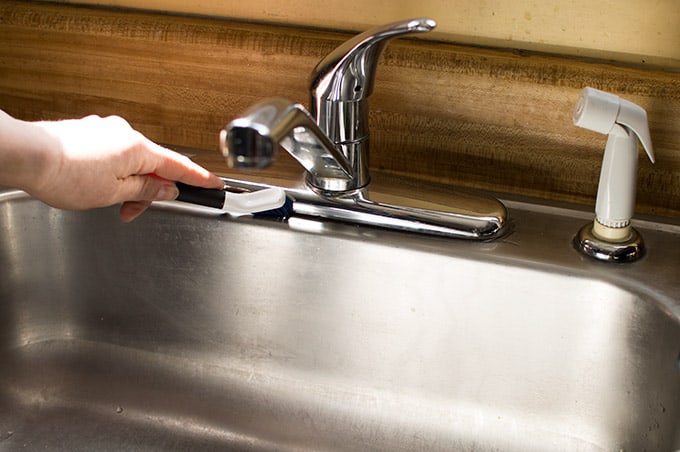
x=6, y=435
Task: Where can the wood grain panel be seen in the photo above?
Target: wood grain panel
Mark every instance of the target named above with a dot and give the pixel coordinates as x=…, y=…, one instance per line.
x=634, y=31
x=442, y=113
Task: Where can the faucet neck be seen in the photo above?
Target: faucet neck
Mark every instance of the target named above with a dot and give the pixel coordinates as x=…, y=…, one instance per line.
x=340, y=86
x=345, y=123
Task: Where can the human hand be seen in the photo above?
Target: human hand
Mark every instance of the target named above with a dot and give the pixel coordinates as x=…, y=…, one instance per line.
x=96, y=162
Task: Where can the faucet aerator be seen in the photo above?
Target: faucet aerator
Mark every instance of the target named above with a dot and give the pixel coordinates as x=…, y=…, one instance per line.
x=246, y=148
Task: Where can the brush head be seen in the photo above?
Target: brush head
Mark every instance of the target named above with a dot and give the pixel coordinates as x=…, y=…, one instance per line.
x=283, y=212
x=255, y=201
x=271, y=201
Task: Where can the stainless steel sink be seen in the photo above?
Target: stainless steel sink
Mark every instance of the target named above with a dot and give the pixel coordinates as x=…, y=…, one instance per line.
x=188, y=331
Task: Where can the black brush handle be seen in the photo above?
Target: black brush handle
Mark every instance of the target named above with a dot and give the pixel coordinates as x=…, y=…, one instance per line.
x=209, y=197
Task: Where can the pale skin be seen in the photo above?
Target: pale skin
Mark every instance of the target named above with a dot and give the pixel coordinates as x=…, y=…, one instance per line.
x=79, y=164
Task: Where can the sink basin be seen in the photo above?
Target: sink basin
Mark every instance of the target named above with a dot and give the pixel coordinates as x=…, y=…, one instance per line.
x=190, y=331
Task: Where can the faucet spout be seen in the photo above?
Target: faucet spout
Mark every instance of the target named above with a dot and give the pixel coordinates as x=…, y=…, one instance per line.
x=252, y=141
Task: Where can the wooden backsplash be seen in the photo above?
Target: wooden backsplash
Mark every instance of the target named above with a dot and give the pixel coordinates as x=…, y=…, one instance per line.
x=633, y=31
x=457, y=115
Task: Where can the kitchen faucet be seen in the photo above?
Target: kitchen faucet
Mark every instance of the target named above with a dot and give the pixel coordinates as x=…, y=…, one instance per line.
x=331, y=142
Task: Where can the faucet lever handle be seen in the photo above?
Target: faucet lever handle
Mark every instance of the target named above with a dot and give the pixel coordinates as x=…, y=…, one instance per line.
x=348, y=72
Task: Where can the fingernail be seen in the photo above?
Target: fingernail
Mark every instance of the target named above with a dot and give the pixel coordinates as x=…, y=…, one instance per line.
x=168, y=192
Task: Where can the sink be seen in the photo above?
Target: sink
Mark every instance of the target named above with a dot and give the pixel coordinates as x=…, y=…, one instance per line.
x=189, y=331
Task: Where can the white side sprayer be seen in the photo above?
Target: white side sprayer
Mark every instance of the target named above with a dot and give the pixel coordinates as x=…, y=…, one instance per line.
x=611, y=237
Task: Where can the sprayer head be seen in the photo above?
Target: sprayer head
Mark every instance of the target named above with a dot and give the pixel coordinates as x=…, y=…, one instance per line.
x=599, y=111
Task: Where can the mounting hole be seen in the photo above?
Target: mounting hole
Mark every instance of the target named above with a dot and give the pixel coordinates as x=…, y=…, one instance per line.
x=357, y=88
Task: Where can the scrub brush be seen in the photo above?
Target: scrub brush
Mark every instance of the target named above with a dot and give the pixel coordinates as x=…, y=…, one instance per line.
x=266, y=202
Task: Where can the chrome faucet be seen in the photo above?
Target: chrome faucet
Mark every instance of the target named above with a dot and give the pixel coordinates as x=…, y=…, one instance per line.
x=332, y=141
x=340, y=86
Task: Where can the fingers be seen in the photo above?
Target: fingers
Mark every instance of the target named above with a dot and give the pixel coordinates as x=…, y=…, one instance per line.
x=173, y=166
x=144, y=156
x=153, y=179
x=132, y=209
x=157, y=183
x=140, y=191
x=146, y=188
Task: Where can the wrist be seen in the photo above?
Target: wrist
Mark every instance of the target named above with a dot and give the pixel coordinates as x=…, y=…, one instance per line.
x=27, y=150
